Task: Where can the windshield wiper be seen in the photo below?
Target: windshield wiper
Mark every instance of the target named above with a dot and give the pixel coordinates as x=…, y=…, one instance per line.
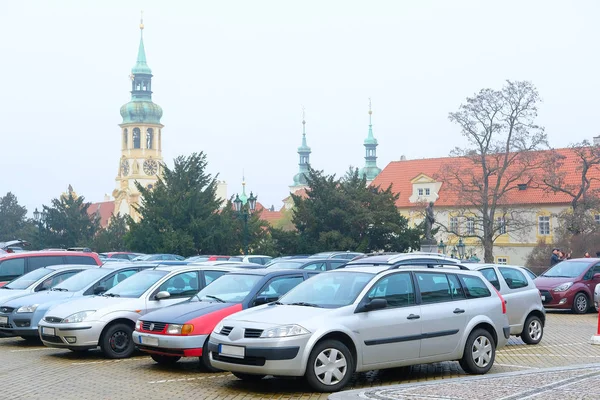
x=304, y=304
x=59, y=289
x=111, y=295
x=215, y=298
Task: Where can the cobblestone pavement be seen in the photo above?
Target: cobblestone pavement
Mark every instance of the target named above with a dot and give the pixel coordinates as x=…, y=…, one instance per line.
x=31, y=371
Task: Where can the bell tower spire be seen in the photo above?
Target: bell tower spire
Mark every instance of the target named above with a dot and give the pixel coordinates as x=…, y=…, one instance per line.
x=304, y=161
x=370, y=170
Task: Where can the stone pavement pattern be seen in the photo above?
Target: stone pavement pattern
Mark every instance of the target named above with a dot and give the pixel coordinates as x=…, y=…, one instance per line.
x=32, y=371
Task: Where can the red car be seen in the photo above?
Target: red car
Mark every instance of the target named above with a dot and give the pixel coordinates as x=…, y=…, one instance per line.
x=13, y=265
x=570, y=284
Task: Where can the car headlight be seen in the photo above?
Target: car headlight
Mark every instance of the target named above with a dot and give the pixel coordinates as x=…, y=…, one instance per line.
x=138, y=325
x=174, y=329
x=218, y=328
x=79, y=316
x=284, y=331
x=30, y=308
x=564, y=287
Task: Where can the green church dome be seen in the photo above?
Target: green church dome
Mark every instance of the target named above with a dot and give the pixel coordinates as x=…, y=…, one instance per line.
x=141, y=111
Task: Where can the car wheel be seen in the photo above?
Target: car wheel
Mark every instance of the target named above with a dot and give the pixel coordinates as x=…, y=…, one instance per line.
x=164, y=360
x=330, y=366
x=116, y=342
x=480, y=352
x=580, y=303
x=205, y=359
x=248, y=377
x=533, y=330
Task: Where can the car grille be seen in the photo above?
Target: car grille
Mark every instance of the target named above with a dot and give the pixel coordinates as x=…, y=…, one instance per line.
x=51, y=339
x=153, y=326
x=547, y=296
x=260, y=361
x=22, y=323
x=6, y=310
x=226, y=330
x=54, y=320
x=252, y=333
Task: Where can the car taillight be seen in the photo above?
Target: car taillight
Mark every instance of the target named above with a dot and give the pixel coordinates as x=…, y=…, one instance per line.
x=502, y=300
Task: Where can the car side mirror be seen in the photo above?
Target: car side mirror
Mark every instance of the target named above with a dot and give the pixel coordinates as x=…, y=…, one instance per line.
x=374, y=304
x=162, y=295
x=99, y=290
x=263, y=300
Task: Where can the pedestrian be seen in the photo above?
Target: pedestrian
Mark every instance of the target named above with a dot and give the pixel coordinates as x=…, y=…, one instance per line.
x=587, y=254
x=555, y=259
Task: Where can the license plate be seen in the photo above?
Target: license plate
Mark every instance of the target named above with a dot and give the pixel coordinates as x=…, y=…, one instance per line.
x=232, y=351
x=148, y=340
x=47, y=331
x=543, y=298
x=3, y=320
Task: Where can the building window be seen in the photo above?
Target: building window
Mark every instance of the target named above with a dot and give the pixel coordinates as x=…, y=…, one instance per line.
x=544, y=225
x=454, y=224
x=420, y=191
x=427, y=192
x=136, y=138
x=597, y=218
x=501, y=224
x=502, y=260
x=470, y=226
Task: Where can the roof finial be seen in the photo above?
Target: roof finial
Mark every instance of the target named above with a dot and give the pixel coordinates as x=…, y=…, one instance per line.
x=303, y=121
x=370, y=111
x=142, y=20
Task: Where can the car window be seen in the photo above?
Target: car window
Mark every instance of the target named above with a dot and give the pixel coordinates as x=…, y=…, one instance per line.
x=434, y=287
x=397, y=289
x=81, y=260
x=121, y=256
x=181, y=285
x=113, y=280
x=280, y=286
x=320, y=266
x=255, y=260
x=592, y=271
x=490, y=275
x=514, y=278
x=210, y=276
x=28, y=279
x=474, y=287
x=45, y=261
x=232, y=288
x=12, y=268
x=455, y=287
x=54, y=280
x=337, y=264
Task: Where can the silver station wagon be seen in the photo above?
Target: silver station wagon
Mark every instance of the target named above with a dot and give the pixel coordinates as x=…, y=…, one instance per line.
x=362, y=317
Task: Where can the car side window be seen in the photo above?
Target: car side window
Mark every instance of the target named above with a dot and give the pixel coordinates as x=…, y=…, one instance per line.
x=80, y=260
x=39, y=262
x=320, y=266
x=114, y=279
x=491, y=276
x=54, y=280
x=12, y=268
x=181, y=285
x=397, y=289
x=514, y=278
x=455, y=287
x=474, y=287
x=336, y=264
x=434, y=287
x=280, y=286
x=210, y=276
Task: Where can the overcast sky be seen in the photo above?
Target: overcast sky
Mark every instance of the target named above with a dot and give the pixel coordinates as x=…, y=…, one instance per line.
x=232, y=77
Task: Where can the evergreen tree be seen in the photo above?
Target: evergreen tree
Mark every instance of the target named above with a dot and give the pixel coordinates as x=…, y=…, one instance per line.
x=112, y=238
x=68, y=223
x=12, y=218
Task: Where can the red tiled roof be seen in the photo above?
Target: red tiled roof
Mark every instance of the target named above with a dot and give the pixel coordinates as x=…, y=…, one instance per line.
x=300, y=192
x=268, y=215
x=400, y=174
x=105, y=209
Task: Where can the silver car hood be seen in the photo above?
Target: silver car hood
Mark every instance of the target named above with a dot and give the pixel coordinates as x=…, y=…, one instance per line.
x=272, y=315
x=6, y=295
x=102, y=304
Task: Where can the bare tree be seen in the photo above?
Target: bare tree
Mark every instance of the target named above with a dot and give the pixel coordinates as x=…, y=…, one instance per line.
x=503, y=140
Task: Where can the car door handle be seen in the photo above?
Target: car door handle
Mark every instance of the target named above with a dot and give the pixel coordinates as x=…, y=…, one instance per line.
x=458, y=311
x=413, y=316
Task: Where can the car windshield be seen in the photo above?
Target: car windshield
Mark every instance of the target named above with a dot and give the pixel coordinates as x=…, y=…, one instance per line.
x=228, y=288
x=567, y=269
x=328, y=290
x=81, y=280
x=137, y=284
x=286, y=264
x=27, y=280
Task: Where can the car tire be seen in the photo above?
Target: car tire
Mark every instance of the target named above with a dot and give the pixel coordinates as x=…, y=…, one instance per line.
x=116, y=341
x=248, y=377
x=581, y=303
x=533, y=330
x=164, y=360
x=205, y=359
x=480, y=352
x=336, y=354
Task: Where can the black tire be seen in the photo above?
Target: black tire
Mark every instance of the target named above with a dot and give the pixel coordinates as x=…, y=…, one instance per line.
x=165, y=360
x=328, y=381
x=533, y=330
x=116, y=341
x=248, y=377
x=480, y=352
x=205, y=359
x=581, y=304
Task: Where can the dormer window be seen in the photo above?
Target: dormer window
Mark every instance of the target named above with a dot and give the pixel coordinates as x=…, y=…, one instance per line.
x=424, y=188
x=420, y=191
x=427, y=192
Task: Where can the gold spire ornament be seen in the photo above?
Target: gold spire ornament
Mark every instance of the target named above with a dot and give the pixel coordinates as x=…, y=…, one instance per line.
x=142, y=20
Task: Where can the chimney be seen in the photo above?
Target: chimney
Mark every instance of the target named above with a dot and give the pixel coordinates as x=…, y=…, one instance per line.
x=106, y=197
x=596, y=140
x=403, y=157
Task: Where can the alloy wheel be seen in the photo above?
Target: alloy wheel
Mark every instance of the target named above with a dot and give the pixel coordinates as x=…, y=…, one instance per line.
x=330, y=366
x=482, y=351
x=535, y=329
x=581, y=303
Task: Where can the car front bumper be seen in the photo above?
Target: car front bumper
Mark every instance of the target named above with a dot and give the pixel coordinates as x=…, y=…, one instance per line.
x=79, y=335
x=557, y=300
x=21, y=324
x=170, y=345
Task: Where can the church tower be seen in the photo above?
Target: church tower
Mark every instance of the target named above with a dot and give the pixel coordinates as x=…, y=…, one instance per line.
x=141, y=137
x=370, y=170
x=304, y=164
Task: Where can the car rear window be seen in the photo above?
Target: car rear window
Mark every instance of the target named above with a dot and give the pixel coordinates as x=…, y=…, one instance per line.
x=474, y=287
x=12, y=267
x=514, y=278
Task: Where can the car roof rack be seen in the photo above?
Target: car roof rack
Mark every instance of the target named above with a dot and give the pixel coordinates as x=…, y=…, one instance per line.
x=438, y=264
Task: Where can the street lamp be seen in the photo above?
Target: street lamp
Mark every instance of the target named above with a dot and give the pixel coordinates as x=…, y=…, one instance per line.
x=244, y=211
x=40, y=218
x=442, y=247
x=461, y=248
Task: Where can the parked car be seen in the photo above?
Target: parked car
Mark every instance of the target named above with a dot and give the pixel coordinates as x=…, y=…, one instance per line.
x=11, y=244
x=123, y=255
x=417, y=258
x=159, y=257
x=182, y=330
x=526, y=314
x=570, y=284
x=22, y=315
x=597, y=297
x=109, y=320
x=257, y=259
x=202, y=258
x=13, y=265
x=313, y=264
x=39, y=280
x=287, y=258
x=365, y=318
x=344, y=255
